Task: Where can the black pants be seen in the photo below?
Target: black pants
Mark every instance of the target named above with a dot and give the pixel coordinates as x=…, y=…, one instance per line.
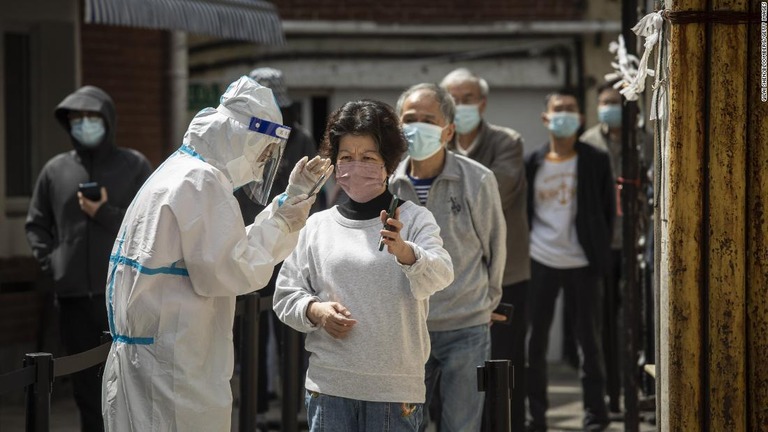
x=82, y=321
x=582, y=288
x=276, y=329
x=508, y=342
x=613, y=331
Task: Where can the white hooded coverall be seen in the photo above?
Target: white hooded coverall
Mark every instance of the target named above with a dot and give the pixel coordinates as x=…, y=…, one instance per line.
x=181, y=256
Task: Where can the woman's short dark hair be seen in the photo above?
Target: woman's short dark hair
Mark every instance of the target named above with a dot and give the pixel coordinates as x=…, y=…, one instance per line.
x=366, y=118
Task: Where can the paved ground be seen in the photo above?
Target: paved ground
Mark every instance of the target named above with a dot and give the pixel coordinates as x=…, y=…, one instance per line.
x=564, y=390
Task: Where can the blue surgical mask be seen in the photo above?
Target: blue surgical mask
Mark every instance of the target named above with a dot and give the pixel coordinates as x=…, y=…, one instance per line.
x=467, y=118
x=564, y=124
x=88, y=131
x=423, y=139
x=610, y=115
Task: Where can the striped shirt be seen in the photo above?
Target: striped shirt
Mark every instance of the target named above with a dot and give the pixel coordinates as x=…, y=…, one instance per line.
x=422, y=187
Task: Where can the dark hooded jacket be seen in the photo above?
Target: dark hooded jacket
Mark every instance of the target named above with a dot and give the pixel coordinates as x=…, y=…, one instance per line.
x=69, y=245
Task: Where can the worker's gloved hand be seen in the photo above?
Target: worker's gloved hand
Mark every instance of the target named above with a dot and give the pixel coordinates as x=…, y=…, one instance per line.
x=306, y=173
x=292, y=214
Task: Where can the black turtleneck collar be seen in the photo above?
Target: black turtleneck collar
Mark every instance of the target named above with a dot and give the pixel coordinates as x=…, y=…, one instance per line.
x=367, y=210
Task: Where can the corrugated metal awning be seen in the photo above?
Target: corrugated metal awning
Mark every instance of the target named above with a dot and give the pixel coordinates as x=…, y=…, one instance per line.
x=250, y=20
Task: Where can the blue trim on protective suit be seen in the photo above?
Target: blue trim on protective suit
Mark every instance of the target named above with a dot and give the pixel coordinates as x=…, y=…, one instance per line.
x=267, y=127
x=116, y=260
x=110, y=293
x=188, y=150
x=282, y=199
x=172, y=270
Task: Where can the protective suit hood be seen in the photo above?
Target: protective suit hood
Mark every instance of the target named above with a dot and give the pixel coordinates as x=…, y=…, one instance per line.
x=89, y=98
x=246, y=124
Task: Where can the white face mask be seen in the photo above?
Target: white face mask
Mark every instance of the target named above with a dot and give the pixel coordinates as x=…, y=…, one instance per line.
x=564, y=124
x=88, y=131
x=467, y=118
x=242, y=172
x=424, y=139
x=610, y=115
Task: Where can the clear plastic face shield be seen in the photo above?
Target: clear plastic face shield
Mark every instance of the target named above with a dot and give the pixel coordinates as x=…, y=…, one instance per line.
x=255, y=171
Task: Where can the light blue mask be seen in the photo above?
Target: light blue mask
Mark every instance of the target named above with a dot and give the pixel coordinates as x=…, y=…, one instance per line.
x=564, y=124
x=88, y=131
x=467, y=118
x=610, y=115
x=423, y=139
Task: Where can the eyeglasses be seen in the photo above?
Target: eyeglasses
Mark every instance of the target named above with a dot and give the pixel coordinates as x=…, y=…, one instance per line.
x=74, y=115
x=468, y=99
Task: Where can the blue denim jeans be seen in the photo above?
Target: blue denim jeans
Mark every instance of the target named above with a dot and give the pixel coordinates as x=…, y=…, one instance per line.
x=327, y=413
x=454, y=359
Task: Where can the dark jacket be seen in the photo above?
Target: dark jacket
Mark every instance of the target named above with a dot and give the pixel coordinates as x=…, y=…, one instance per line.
x=595, y=200
x=501, y=150
x=70, y=246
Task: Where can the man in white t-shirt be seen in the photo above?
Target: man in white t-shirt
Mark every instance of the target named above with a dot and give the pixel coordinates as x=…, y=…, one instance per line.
x=570, y=210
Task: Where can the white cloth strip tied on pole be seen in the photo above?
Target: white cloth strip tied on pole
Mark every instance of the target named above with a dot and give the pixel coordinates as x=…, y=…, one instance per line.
x=631, y=71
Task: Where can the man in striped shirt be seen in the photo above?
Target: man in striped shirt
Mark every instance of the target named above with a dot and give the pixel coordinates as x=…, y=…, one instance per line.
x=463, y=196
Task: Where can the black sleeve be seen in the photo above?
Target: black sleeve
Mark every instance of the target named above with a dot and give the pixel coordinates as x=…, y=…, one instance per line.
x=40, y=224
x=608, y=190
x=111, y=216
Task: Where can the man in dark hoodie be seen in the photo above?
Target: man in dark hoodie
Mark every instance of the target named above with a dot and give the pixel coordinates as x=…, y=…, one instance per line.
x=71, y=235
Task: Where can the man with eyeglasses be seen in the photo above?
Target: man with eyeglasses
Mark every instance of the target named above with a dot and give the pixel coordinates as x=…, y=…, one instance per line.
x=499, y=149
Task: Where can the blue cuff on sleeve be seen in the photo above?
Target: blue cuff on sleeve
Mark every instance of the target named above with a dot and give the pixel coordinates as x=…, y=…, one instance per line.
x=281, y=199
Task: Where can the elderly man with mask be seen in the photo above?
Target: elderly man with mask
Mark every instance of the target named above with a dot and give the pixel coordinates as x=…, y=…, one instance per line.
x=181, y=256
x=499, y=149
x=464, y=197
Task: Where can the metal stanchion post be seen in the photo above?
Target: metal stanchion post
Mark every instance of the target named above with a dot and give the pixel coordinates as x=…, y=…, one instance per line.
x=39, y=393
x=291, y=341
x=494, y=378
x=249, y=362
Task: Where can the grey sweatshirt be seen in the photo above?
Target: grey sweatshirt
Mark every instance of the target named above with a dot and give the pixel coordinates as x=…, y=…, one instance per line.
x=465, y=201
x=337, y=259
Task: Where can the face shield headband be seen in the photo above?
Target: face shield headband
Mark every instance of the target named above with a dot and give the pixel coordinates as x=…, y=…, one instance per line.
x=255, y=171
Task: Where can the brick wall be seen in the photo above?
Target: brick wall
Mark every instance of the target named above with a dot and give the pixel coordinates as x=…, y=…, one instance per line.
x=443, y=12
x=132, y=66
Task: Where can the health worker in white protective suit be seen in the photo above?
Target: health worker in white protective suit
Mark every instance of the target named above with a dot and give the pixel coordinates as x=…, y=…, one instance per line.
x=182, y=255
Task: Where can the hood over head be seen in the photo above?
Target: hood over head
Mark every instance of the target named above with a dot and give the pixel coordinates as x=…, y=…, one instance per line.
x=89, y=98
x=235, y=136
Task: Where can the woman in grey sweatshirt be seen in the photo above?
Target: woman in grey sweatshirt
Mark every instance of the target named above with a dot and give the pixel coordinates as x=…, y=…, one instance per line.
x=364, y=310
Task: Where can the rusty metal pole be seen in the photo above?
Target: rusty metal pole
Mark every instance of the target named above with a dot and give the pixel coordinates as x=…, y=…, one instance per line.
x=681, y=229
x=757, y=226
x=725, y=223
x=712, y=217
